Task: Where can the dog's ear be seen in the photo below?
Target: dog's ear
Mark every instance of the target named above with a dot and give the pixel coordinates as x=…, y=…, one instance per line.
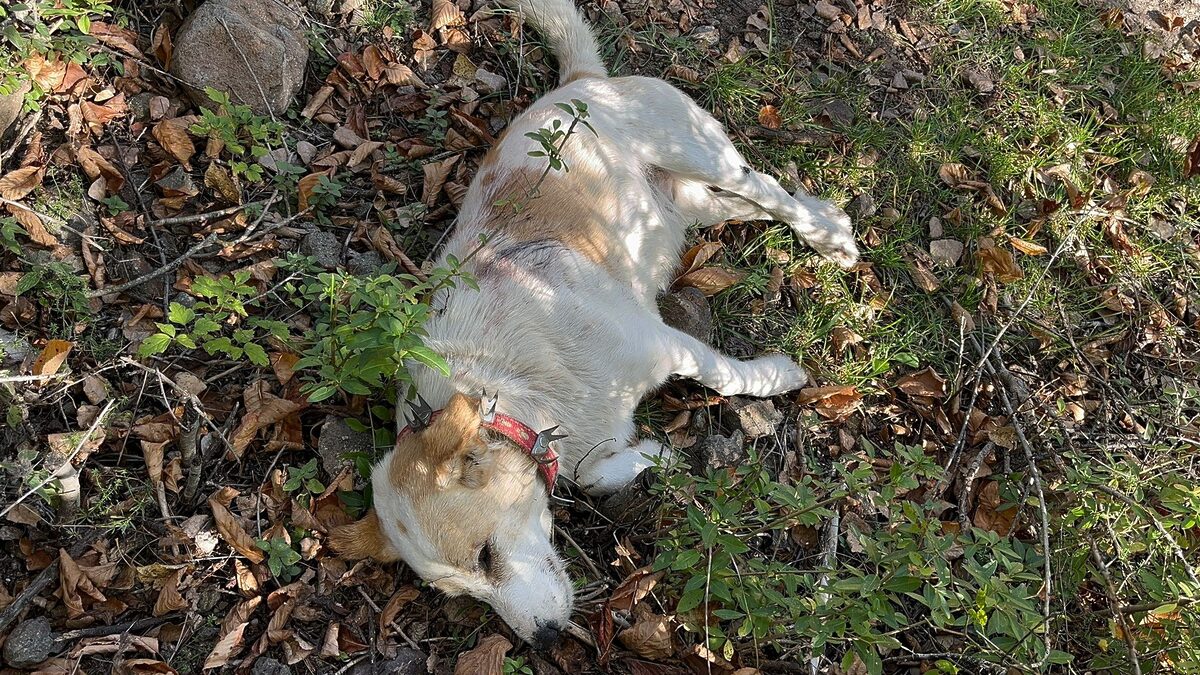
x=455, y=432
x=363, y=539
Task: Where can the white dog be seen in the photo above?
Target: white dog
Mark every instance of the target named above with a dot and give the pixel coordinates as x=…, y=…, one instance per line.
x=564, y=327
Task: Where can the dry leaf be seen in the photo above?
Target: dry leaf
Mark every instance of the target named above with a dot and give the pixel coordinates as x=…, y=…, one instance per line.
x=635, y=587
x=306, y=185
x=987, y=513
x=52, y=357
x=262, y=410
x=32, y=223
x=217, y=178
x=954, y=174
x=226, y=648
x=710, y=280
x=19, y=183
x=923, y=383
x=999, y=261
x=487, y=658
x=835, y=402
x=169, y=600
x=650, y=637
x=1027, y=247
x=1191, y=161
x=96, y=166
x=768, y=116
x=284, y=365
x=398, y=601
x=436, y=174
x=172, y=135
x=233, y=534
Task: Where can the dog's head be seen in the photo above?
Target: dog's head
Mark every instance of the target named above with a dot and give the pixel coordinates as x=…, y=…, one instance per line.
x=470, y=516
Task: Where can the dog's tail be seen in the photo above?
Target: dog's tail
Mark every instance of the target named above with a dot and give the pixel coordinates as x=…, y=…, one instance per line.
x=570, y=38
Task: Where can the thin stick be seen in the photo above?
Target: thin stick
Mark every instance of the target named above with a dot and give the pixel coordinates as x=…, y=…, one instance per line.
x=205, y=217
x=592, y=567
x=580, y=634
x=829, y=544
x=26, y=127
x=74, y=453
x=170, y=267
x=392, y=623
x=1111, y=593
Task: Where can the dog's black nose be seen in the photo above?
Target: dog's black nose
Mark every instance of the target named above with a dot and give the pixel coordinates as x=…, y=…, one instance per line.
x=546, y=636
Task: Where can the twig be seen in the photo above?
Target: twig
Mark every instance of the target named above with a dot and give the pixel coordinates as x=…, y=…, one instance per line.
x=250, y=69
x=964, y=497
x=170, y=267
x=44, y=578
x=191, y=398
x=1116, y=494
x=580, y=634
x=205, y=217
x=74, y=453
x=392, y=623
x=1111, y=593
x=592, y=567
x=1151, y=606
x=59, y=222
x=189, y=441
x=101, y=631
x=790, y=137
x=26, y=127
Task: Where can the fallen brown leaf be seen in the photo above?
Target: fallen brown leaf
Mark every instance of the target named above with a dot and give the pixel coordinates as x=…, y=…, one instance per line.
x=487, y=658
x=768, y=116
x=53, y=356
x=710, y=280
x=226, y=648
x=923, y=383
x=169, y=600
x=19, y=183
x=834, y=402
x=233, y=533
x=650, y=637
x=262, y=410
x=172, y=135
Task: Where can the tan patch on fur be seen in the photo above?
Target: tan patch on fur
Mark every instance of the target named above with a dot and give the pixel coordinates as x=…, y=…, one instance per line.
x=523, y=206
x=362, y=539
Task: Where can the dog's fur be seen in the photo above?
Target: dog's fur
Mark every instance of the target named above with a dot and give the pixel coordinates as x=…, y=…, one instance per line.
x=565, y=326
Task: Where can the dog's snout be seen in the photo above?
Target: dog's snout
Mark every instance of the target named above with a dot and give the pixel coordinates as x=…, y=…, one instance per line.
x=546, y=636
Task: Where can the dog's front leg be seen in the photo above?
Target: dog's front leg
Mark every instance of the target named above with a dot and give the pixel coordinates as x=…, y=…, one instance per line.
x=611, y=470
x=763, y=376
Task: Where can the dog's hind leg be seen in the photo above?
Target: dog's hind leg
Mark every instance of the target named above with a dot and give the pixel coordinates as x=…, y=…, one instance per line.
x=689, y=143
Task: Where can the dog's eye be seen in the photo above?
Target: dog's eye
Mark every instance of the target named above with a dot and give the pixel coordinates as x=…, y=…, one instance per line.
x=485, y=558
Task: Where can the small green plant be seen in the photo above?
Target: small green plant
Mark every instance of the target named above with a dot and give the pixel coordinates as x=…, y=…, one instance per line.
x=247, y=136
x=303, y=479
x=218, y=323
x=552, y=140
x=516, y=666
x=115, y=204
x=60, y=293
x=433, y=125
x=9, y=229
x=368, y=327
x=323, y=197
x=51, y=29
x=282, y=559
x=389, y=17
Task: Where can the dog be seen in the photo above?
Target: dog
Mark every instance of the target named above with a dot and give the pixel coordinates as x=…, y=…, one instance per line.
x=562, y=340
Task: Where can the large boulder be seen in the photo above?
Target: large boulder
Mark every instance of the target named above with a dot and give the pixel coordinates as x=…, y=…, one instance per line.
x=253, y=49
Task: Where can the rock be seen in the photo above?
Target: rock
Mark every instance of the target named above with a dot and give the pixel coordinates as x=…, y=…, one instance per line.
x=269, y=666
x=13, y=348
x=946, y=251
x=338, y=439
x=406, y=662
x=721, y=452
x=364, y=264
x=489, y=81
x=253, y=49
x=707, y=36
x=755, y=417
x=30, y=643
x=10, y=107
x=898, y=83
x=687, y=310
x=863, y=206
x=325, y=247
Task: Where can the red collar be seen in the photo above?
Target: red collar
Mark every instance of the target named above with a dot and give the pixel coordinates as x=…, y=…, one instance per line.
x=525, y=437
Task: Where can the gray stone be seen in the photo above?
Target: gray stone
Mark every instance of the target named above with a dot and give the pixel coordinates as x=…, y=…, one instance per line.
x=489, y=81
x=338, y=439
x=722, y=452
x=30, y=643
x=863, y=206
x=325, y=247
x=406, y=662
x=10, y=107
x=253, y=49
x=269, y=666
x=687, y=310
x=364, y=264
x=707, y=36
x=755, y=417
x=13, y=348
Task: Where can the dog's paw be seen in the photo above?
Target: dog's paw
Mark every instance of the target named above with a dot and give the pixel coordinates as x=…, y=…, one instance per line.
x=830, y=231
x=773, y=375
